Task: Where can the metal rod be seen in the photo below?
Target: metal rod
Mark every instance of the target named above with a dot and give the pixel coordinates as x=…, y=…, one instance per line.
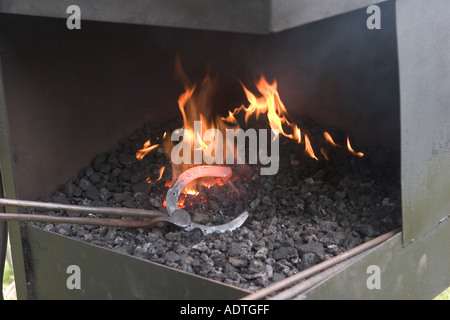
x=292, y=280
x=126, y=212
x=297, y=290
x=76, y=220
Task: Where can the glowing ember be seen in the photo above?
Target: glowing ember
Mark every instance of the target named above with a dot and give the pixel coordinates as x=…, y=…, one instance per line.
x=192, y=190
x=188, y=183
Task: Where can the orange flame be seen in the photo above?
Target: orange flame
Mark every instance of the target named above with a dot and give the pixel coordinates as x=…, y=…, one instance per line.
x=194, y=105
x=230, y=119
x=322, y=151
x=191, y=189
x=297, y=134
x=329, y=138
x=308, y=148
x=146, y=149
x=358, y=154
x=269, y=103
x=192, y=192
x=161, y=172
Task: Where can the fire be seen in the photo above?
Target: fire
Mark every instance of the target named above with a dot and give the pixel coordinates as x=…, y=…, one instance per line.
x=192, y=192
x=324, y=154
x=298, y=134
x=230, y=119
x=358, y=154
x=308, y=148
x=192, y=189
x=268, y=103
x=146, y=149
x=329, y=138
x=161, y=172
x=194, y=105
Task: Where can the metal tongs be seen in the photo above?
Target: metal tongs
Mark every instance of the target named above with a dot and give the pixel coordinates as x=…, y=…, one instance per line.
x=177, y=217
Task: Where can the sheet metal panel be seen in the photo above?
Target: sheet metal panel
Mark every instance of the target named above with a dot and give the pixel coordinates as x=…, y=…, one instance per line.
x=417, y=271
x=424, y=72
x=9, y=191
x=106, y=274
x=249, y=16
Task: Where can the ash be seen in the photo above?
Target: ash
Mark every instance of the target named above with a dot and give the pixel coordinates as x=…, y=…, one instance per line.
x=309, y=212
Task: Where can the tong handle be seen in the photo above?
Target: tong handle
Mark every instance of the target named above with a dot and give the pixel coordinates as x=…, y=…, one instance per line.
x=182, y=219
x=105, y=222
x=124, y=212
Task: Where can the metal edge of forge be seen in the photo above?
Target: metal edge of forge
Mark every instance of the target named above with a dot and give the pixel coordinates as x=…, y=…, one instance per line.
x=250, y=16
x=9, y=190
x=134, y=278
x=416, y=271
x=297, y=284
x=424, y=69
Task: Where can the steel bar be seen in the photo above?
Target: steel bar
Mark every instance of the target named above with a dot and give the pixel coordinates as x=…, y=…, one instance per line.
x=292, y=280
x=153, y=215
x=182, y=218
x=125, y=212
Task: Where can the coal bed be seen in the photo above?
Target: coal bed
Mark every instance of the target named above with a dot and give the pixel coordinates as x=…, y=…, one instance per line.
x=310, y=211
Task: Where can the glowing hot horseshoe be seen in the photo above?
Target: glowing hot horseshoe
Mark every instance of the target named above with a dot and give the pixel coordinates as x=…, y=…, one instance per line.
x=187, y=177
